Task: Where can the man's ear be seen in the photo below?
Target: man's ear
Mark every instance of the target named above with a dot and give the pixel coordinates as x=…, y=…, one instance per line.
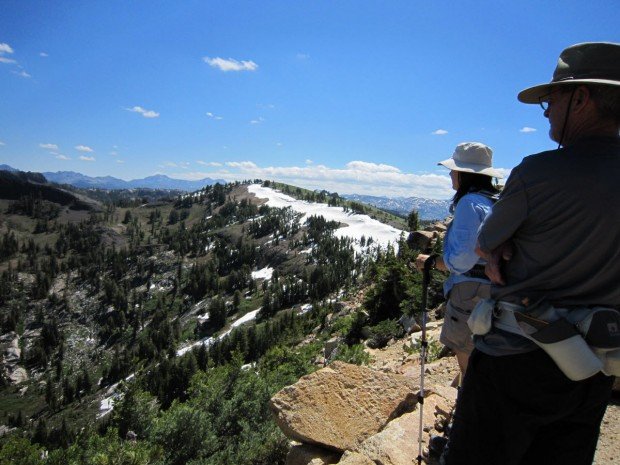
x=581, y=98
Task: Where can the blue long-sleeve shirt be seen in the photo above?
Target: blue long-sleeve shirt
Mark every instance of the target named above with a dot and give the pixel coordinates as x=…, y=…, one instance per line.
x=460, y=242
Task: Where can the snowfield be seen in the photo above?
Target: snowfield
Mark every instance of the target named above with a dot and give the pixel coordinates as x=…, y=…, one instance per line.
x=265, y=273
x=356, y=225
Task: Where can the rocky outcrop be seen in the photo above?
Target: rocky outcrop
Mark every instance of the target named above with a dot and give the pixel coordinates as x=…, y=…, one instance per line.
x=340, y=406
x=11, y=355
x=305, y=454
x=426, y=239
x=422, y=240
x=365, y=415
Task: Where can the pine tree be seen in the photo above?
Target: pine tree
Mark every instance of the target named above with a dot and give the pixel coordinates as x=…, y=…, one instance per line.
x=413, y=221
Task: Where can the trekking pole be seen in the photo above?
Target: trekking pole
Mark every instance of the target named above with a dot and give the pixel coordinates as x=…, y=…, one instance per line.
x=429, y=264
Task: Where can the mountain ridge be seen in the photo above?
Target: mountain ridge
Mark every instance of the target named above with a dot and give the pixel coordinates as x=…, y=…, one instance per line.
x=428, y=209
x=158, y=181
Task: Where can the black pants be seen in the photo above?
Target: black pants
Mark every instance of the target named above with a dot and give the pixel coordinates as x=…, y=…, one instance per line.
x=522, y=410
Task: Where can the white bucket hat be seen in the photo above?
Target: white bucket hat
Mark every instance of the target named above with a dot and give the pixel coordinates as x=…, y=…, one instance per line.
x=472, y=157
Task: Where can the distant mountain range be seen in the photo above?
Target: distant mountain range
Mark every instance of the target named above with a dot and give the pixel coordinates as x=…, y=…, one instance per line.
x=7, y=168
x=15, y=184
x=428, y=209
x=159, y=181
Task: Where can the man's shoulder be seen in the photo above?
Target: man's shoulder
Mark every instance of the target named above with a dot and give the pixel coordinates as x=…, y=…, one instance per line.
x=545, y=157
x=549, y=159
x=538, y=164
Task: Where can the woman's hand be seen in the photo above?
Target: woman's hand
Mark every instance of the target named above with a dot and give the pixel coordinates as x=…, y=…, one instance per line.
x=419, y=261
x=439, y=263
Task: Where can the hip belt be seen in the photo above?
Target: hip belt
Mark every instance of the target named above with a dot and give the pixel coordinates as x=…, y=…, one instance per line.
x=582, y=341
x=476, y=272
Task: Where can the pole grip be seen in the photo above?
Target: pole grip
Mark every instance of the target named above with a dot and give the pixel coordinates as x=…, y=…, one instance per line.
x=429, y=264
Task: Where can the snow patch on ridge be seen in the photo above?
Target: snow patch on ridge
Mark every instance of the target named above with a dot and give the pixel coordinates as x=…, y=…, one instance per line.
x=356, y=225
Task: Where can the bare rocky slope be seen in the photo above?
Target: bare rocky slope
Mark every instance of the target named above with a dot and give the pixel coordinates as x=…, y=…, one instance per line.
x=348, y=415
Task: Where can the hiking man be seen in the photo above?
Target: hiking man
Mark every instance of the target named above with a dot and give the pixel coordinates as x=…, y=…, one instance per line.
x=552, y=247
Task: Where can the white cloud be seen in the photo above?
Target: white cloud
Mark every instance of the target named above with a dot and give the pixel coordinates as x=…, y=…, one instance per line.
x=43, y=54
x=246, y=165
x=84, y=158
x=302, y=56
x=230, y=64
x=308, y=161
x=505, y=172
x=23, y=74
x=120, y=161
x=258, y=120
x=62, y=157
x=372, y=167
x=211, y=163
x=143, y=112
x=439, y=132
x=83, y=148
x=49, y=146
x=527, y=129
x=356, y=177
x=2, y=143
x=114, y=153
x=171, y=164
x=279, y=144
x=212, y=116
x=5, y=48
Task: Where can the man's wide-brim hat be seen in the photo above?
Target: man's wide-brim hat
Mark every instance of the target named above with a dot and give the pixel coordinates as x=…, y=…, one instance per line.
x=472, y=157
x=587, y=63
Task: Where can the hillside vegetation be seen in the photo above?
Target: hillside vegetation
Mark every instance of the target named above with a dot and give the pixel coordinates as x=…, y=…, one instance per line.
x=155, y=330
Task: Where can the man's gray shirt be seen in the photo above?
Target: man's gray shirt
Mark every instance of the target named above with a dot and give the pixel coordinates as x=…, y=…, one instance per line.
x=561, y=211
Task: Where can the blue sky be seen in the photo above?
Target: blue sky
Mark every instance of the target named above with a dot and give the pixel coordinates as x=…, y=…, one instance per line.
x=350, y=96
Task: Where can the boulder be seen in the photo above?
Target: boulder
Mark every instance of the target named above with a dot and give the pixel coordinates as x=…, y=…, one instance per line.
x=19, y=375
x=9, y=337
x=355, y=458
x=409, y=324
x=331, y=345
x=340, y=406
x=421, y=240
x=398, y=443
x=12, y=354
x=304, y=454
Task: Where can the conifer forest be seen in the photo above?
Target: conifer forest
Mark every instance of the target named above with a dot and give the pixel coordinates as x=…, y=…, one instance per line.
x=137, y=328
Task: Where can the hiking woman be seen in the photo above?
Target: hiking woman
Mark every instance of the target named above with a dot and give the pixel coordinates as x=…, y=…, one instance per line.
x=472, y=178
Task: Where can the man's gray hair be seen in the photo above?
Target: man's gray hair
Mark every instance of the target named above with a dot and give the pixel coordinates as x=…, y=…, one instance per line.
x=607, y=100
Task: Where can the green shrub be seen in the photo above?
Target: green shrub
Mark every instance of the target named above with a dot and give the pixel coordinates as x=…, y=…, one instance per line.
x=352, y=354
x=433, y=349
x=382, y=332
x=20, y=451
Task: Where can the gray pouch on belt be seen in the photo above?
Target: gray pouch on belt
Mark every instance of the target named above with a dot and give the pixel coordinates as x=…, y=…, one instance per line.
x=481, y=318
x=600, y=328
x=564, y=344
